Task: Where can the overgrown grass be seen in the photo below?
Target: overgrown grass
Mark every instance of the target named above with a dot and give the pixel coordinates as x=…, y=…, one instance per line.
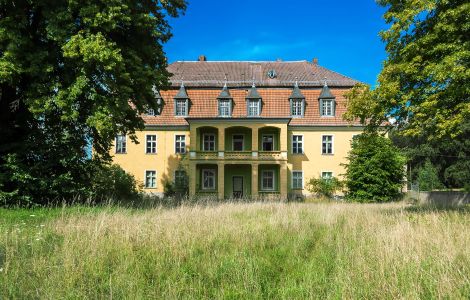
x=258, y=250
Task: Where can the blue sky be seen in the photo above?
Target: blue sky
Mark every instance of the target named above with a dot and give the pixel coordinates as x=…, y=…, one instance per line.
x=342, y=34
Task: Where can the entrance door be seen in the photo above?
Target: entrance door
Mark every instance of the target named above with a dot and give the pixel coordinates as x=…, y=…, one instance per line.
x=237, y=186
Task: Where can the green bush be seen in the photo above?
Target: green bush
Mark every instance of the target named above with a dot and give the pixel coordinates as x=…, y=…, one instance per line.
x=375, y=169
x=324, y=186
x=428, y=178
x=111, y=182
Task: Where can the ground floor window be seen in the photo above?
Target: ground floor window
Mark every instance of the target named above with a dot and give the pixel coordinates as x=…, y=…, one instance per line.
x=208, y=179
x=327, y=175
x=150, y=179
x=180, y=178
x=267, y=180
x=297, y=180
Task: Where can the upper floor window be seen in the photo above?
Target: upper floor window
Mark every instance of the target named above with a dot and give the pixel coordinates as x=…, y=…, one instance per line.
x=254, y=108
x=297, y=107
x=237, y=142
x=151, y=144
x=327, y=107
x=297, y=144
x=208, y=179
x=268, y=142
x=180, y=144
x=297, y=180
x=121, y=143
x=181, y=107
x=225, y=109
x=208, y=142
x=150, y=179
x=327, y=144
x=267, y=180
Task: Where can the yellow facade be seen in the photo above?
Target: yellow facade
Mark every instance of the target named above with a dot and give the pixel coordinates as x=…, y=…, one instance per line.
x=224, y=161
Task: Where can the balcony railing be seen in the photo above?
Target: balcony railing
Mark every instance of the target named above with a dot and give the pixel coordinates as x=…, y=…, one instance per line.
x=238, y=155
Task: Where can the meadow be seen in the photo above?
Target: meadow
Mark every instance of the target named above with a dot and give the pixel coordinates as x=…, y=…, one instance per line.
x=236, y=250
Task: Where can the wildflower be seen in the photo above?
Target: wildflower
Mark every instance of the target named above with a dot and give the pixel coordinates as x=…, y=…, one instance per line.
x=32, y=215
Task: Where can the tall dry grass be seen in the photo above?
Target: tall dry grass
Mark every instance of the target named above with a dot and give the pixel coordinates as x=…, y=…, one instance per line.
x=258, y=250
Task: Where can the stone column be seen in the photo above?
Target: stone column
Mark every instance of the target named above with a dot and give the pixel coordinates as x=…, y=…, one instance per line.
x=254, y=181
x=254, y=138
x=283, y=180
x=221, y=139
x=192, y=179
x=220, y=180
x=193, y=138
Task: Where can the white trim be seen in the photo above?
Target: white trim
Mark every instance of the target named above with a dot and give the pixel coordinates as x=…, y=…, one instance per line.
x=274, y=180
x=292, y=180
x=292, y=143
x=332, y=144
x=209, y=134
x=145, y=179
x=115, y=146
x=243, y=141
x=156, y=144
x=174, y=143
x=202, y=179
x=274, y=141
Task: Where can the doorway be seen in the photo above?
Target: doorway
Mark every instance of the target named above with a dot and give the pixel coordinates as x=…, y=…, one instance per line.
x=237, y=183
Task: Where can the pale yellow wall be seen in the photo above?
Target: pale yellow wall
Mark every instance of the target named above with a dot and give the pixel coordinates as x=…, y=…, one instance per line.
x=313, y=162
x=165, y=161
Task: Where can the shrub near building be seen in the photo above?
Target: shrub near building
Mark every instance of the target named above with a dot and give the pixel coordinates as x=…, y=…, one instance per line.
x=375, y=170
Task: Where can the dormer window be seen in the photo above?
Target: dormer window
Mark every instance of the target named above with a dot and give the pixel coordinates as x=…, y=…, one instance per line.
x=181, y=102
x=297, y=102
x=225, y=107
x=253, y=102
x=150, y=112
x=254, y=107
x=327, y=102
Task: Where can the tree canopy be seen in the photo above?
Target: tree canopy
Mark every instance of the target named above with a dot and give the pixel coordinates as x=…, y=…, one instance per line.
x=72, y=72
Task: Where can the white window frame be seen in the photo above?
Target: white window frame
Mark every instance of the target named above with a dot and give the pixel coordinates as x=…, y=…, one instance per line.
x=301, y=101
x=332, y=144
x=301, y=178
x=203, y=179
x=179, y=170
x=233, y=141
x=258, y=107
x=228, y=107
x=323, y=174
x=262, y=142
x=145, y=179
x=263, y=188
x=116, y=146
x=331, y=106
x=150, y=112
x=147, y=141
x=185, y=106
x=184, y=148
x=203, y=141
x=302, y=143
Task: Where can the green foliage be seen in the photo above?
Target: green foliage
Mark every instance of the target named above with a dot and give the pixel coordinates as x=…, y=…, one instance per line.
x=114, y=183
x=324, y=186
x=177, y=188
x=72, y=72
x=375, y=169
x=428, y=179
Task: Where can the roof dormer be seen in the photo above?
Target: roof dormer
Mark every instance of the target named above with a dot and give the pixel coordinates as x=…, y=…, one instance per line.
x=297, y=102
x=225, y=102
x=253, y=102
x=181, y=102
x=327, y=102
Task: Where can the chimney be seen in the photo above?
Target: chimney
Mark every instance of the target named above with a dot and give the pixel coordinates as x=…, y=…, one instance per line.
x=202, y=58
x=315, y=61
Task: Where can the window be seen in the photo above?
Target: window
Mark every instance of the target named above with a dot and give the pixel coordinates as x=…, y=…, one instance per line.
x=181, y=107
x=237, y=142
x=327, y=144
x=121, y=143
x=150, y=112
x=208, y=179
x=297, y=180
x=208, y=142
x=253, y=108
x=151, y=144
x=268, y=142
x=180, y=144
x=224, y=108
x=326, y=175
x=297, y=107
x=267, y=180
x=327, y=107
x=150, y=179
x=297, y=144
x=180, y=178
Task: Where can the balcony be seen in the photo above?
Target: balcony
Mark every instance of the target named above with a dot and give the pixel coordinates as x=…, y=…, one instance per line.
x=239, y=155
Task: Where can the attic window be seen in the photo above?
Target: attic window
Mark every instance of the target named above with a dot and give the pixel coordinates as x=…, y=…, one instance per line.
x=297, y=107
x=225, y=108
x=150, y=112
x=254, y=108
x=181, y=107
x=327, y=108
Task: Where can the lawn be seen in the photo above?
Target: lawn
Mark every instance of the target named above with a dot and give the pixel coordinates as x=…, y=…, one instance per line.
x=253, y=251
